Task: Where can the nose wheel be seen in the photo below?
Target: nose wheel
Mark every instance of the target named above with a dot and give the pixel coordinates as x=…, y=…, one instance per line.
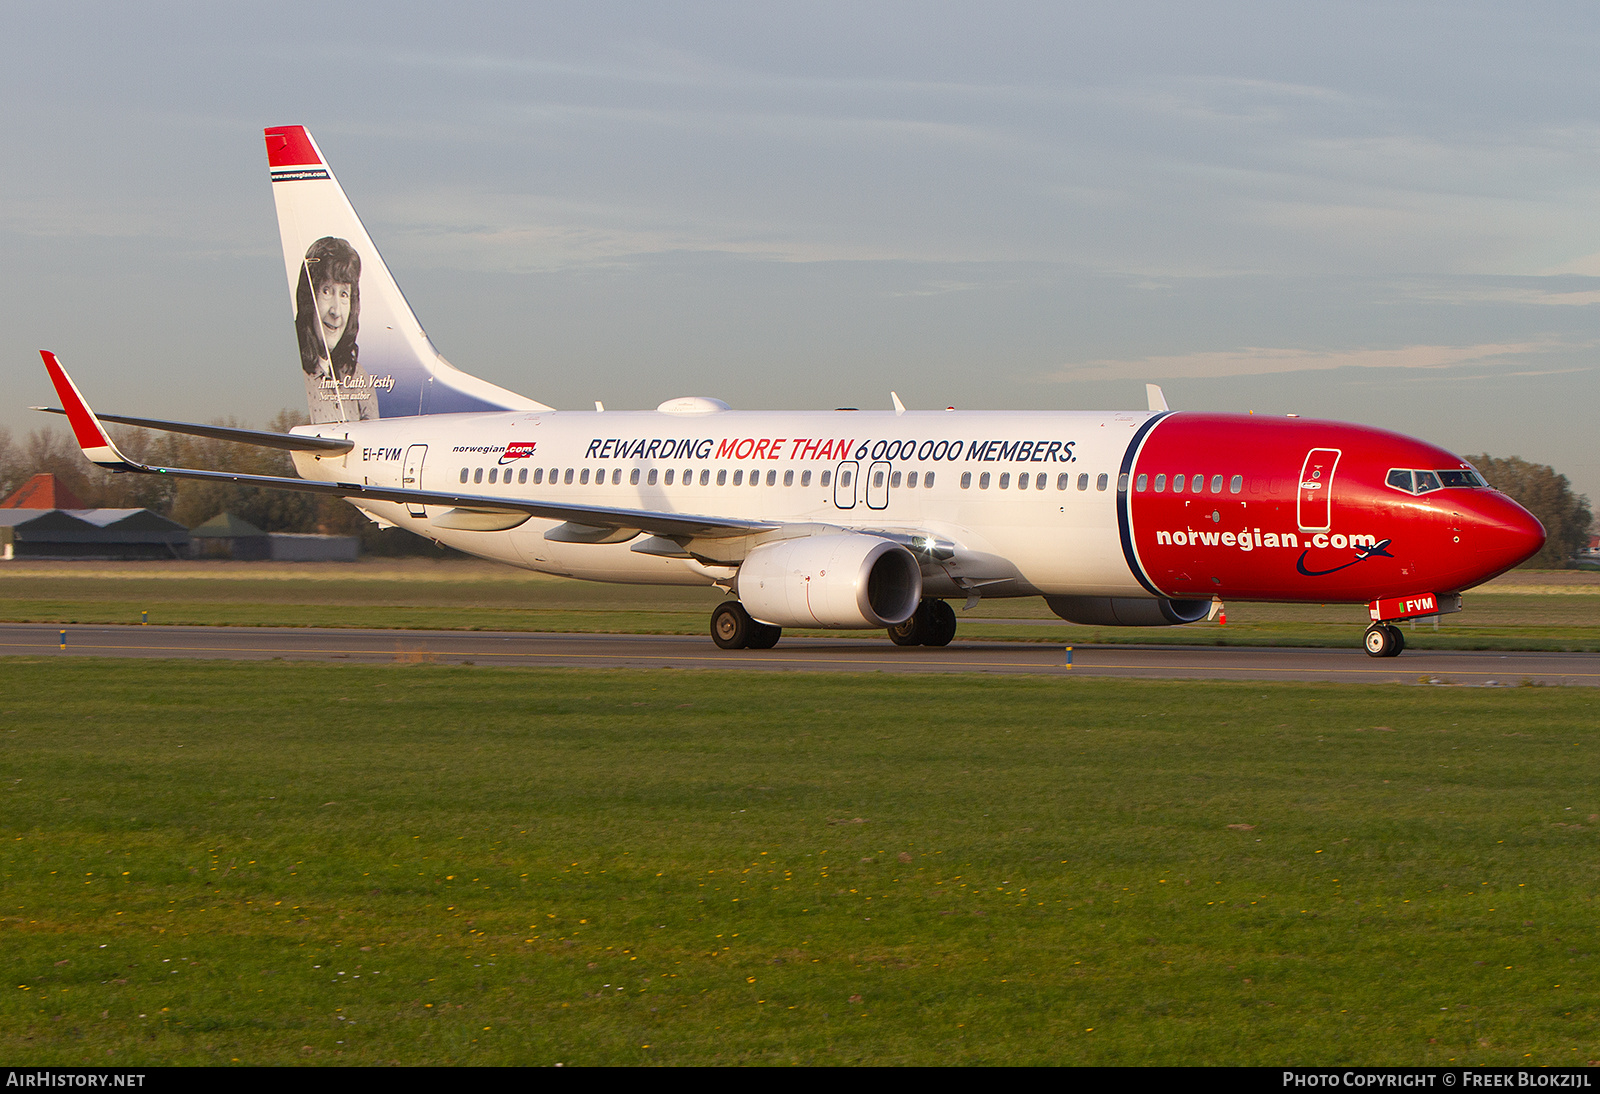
x=1384, y=640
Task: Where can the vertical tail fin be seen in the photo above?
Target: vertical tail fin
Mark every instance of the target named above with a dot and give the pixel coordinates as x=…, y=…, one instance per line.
x=363, y=352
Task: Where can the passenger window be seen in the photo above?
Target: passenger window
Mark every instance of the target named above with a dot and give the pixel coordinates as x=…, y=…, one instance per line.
x=1139, y=483
x=877, y=480
x=894, y=480
x=494, y=472
x=738, y=477
x=844, y=478
x=1236, y=484
x=1199, y=484
x=464, y=474
x=669, y=476
x=1104, y=480
x=772, y=478
x=911, y=481
x=538, y=475
x=583, y=477
x=522, y=477
x=633, y=477
x=755, y=476
x=1038, y=482
x=788, y=478
x=1083, y=482
x=477, y=475
x=567, y=478
x=705, y=476
x=983, y=481
x=1161, y=483
x=966, y=480
x=722, y=476
x=1005, y=480
x=1216, y=484
x=616, y=477
x=927, y=481
x=688, y=476
x=826, y=475
x=650, y=479
x=1063, y=480
x=805, y=478
x=1022, y=482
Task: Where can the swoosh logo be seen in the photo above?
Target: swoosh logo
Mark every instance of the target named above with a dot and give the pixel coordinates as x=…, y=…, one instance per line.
x=1377, y=550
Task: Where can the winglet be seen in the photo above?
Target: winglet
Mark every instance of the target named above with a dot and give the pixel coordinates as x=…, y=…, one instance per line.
x=1158, y=401
x=899, y=407
x=91, y=435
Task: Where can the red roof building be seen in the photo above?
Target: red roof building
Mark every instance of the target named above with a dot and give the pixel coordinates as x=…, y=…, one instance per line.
x=43, y=492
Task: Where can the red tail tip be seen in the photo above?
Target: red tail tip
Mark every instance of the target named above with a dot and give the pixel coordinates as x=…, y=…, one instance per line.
x=290, y=146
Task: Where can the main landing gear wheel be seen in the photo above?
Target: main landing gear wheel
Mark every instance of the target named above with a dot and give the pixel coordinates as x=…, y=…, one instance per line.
x=733, y=629
x=914, y=631
x=932, y=624
x=941, y=623
x=1384, y=640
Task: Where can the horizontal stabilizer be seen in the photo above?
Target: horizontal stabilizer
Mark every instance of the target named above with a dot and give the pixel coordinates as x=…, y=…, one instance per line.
x=288, y=442
x=100, y=449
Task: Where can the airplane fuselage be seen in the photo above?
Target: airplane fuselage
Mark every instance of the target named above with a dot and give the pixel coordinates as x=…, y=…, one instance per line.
x=1135, y=504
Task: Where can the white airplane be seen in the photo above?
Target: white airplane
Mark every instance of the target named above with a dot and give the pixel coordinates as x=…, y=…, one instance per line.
x=846, y=519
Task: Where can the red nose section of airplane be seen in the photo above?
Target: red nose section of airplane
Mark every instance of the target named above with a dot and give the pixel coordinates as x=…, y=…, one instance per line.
x=1500, y=532
x=1247, y=507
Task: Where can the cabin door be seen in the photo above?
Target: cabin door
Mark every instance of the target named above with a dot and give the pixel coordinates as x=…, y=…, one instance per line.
x=878, y=485
x=1316, y=490
x=844, y=484
x=411, y=476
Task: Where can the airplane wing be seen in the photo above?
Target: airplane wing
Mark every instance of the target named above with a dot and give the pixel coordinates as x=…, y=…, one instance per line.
x=288, y=442
x=98, y=448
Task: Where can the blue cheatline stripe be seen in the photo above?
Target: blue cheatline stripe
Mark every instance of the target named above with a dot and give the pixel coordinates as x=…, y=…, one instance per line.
x=1125, y=501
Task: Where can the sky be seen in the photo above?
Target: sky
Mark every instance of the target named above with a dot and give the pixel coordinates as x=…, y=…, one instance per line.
x=1384, y=213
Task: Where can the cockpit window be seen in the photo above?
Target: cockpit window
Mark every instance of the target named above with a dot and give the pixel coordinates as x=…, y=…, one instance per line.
x=1425, y=482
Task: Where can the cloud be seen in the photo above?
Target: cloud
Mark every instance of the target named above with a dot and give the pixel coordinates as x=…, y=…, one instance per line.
x=1538, y=297
x=1260, y=361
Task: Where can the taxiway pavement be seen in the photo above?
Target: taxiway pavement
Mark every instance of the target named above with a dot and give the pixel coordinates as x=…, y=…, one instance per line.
x=844, y=654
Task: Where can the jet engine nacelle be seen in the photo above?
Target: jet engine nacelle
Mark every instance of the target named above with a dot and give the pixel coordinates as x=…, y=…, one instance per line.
x=846, y=581
x=1127, y=611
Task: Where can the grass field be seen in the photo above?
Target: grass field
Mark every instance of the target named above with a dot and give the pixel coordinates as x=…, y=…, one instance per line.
x=304, y=863
x=1525, y=610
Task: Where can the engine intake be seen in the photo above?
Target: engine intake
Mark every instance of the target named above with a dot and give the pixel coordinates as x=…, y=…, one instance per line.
x=1127, y=611
x=837, y=581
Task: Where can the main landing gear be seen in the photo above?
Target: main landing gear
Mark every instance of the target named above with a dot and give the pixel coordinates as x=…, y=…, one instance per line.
x=1384, y=640
x=733, y=629
x=932, y=624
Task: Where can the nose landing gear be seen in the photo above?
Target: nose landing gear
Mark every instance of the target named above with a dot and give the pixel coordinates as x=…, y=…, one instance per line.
x=1384, y=640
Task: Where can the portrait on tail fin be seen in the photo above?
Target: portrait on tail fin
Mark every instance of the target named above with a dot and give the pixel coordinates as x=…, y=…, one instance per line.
x=327, y=320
